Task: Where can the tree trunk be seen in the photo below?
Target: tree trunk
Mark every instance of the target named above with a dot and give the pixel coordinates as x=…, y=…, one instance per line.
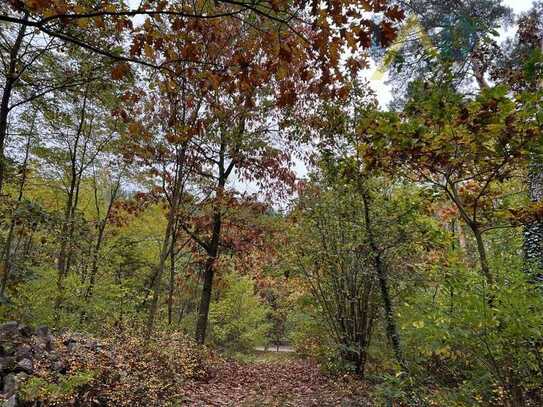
x=9, y=240
x=155, y=286
x=11, y=79
x=390, y=321
x=533, y=231
x=69, y=212
x=482, y=254
x=167, y=243
x=99, y=241
x=212, y=247
x=172, y=281
x=61, y=260
x=475, y=229
x=209, y=270
x=205, y=300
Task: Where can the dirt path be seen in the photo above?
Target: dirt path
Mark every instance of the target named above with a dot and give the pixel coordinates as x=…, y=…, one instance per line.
x=281, y=348
x=296, y=383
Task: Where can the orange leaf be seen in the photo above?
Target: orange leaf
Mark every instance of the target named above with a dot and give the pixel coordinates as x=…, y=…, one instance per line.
x=119, y=71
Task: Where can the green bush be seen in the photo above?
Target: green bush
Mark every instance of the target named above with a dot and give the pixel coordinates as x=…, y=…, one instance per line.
x=238, y=319
x=483, y=345
x=38, y=389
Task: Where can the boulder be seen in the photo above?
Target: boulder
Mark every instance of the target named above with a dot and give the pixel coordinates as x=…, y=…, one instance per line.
x=23, y=351
x=12, y=382
x=8, y=349
x=25, y=331
x=42, y=331
x=53, y=356
x=25, y=366
x=11, y=402
x=10, y=385
x=59, y=366
x=8, y=329
x=21, y=378
x=48, y=343
x=71, y=344
x=38, y=348
x=45, y=342
x=7, y=364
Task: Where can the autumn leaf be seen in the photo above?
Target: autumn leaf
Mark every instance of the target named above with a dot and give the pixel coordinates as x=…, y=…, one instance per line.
x=119, y=71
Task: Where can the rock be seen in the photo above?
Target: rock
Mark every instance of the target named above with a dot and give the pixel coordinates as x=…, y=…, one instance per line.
x=46, y=342
x=23, y=351
x=8, y=329
x=49, y=343
x=93, y=345
x=53, y=356
x=71, y=344
x=42, y=331
x=8, y=349
x=21, y=377
x=38, y=348
x=25, y=365
x=7, y=364
x=11, y=402
x=59, y=367
x=10, y=385
x=12, y=382
x=25, y=331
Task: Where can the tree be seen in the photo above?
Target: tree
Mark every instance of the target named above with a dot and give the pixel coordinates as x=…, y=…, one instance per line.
x=29, y=136
x=518, y=66
x=79, y=25
x=221, y=122
x=79, y=132
x=31, y=68
x=113, y=180
x=466, y=148
x=351, y=225
x=448, y=38
x=75, y=22
x=332, y=257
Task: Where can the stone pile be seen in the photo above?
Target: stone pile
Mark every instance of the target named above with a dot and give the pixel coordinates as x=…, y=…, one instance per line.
x=24, y=349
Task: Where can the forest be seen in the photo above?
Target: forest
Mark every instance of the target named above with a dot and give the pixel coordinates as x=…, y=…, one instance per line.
x=271, y=203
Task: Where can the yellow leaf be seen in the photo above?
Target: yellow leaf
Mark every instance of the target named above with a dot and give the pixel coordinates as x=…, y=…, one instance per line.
x=418, y=324
x=83, y=22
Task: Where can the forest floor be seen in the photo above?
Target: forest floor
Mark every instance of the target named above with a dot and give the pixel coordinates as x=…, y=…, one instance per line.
x=70, y=369
x=275, y=379
x=281, y=348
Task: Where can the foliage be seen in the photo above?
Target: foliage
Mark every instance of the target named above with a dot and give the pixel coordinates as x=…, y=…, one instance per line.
x=238, y=319
x=39, y=390
x=482, y=353
x=123, y=370
x=150, y=162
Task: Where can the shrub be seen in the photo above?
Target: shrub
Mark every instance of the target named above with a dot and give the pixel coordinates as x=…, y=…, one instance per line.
x=122, y=371
x=483, y=346
x=38, y=389
x=238, y=319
